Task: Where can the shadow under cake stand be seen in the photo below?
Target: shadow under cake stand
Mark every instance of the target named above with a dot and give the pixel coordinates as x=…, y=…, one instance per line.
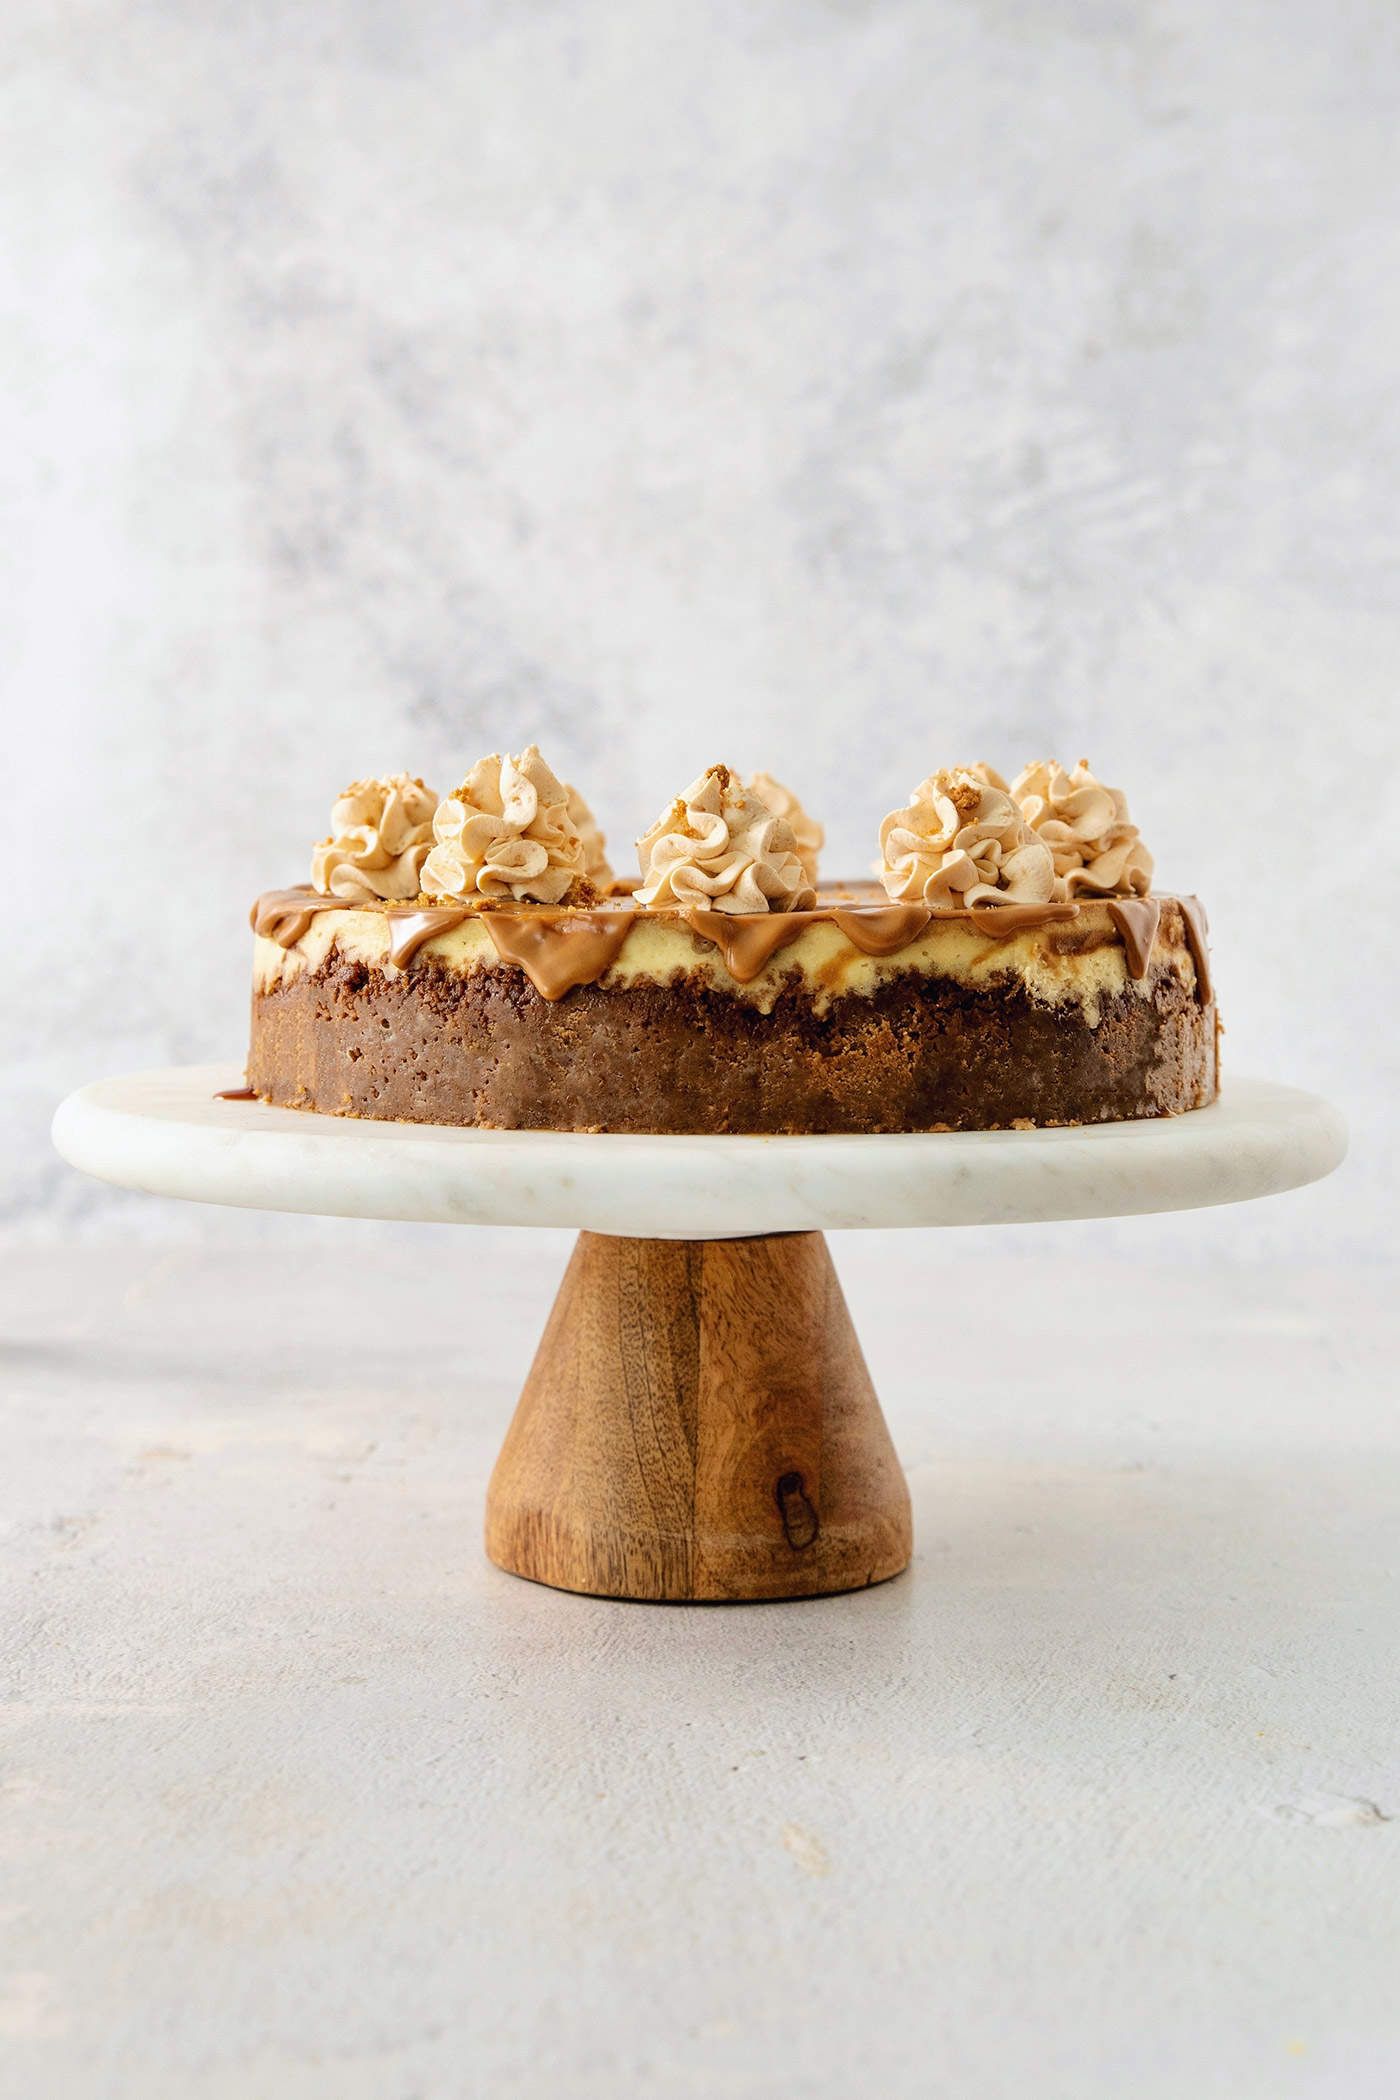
x=698, y=1422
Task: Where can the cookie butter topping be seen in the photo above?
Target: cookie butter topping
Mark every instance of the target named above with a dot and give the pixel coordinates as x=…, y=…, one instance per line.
x=381, y=831
x=720, y=848
x=506, y=832
x=806, y=831
x=1086, y=827
x=595, y=846
x=962, y=842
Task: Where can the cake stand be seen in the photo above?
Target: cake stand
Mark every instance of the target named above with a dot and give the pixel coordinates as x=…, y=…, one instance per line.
x=698, y=1422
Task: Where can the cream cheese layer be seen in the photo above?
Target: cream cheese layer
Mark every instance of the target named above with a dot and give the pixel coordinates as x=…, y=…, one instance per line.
x=1081, y=960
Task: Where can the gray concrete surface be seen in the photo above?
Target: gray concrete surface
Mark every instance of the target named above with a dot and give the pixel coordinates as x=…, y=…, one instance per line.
x=302, y=1799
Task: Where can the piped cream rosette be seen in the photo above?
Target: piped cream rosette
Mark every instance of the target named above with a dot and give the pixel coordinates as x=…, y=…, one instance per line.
x=808, y=836
x=1093, y=843
x=506, y=833
x=720, y=848
x=381, y=834
x=594, y=844
x=962, y=841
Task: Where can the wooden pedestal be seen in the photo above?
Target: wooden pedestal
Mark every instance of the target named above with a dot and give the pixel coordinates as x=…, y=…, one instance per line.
x=699, y=1423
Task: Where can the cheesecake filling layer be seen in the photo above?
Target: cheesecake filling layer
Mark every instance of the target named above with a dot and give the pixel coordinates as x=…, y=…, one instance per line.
x=1061, y=954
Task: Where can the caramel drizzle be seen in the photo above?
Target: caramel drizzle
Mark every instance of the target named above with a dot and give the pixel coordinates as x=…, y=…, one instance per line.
x=881, y=929
x=1194, y=914
x=748, y=940
x=408, y=930
x=285, y=915
x=577, y=947
x=1002, y=919
x=238, y=1093
x=1137, y=920
x=557, y=954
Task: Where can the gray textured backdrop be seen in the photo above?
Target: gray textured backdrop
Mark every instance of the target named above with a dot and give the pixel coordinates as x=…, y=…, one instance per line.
x=844, y=388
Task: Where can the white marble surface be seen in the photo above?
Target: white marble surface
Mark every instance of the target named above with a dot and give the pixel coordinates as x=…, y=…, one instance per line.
x=842, y=386
x=301, y=1799
x=167, y=1134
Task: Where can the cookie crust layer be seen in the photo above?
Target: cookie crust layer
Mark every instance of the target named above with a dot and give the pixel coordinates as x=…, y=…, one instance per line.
x=918, y=1052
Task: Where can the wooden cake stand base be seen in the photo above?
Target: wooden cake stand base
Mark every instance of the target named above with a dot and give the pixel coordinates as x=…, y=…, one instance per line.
x=699, y=1423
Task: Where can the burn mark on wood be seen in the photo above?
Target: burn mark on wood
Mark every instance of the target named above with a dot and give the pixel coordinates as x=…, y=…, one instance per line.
x=800, y=1521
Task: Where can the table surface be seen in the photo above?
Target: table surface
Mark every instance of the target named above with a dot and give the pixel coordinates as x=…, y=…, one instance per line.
x=169, y=1133
x=302, y=1798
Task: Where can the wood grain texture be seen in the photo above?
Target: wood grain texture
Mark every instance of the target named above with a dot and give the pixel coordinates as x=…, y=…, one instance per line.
x=699, y=1423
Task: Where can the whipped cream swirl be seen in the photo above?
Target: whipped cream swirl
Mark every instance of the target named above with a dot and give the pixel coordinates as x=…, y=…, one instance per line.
x=595, y=847
x=505, y=833
x=1093, y=843
x=806, y=831
x=719, y=848
x=381, y=833
x=962, y=841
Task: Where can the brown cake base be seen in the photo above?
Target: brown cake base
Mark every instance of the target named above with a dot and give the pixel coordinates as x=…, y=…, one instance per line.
x=918, y=1053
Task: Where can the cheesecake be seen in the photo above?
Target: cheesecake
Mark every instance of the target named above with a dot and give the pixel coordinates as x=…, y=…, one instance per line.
x=481, y=966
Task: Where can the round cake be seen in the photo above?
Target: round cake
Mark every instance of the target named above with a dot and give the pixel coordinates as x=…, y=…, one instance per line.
x=475, y=962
